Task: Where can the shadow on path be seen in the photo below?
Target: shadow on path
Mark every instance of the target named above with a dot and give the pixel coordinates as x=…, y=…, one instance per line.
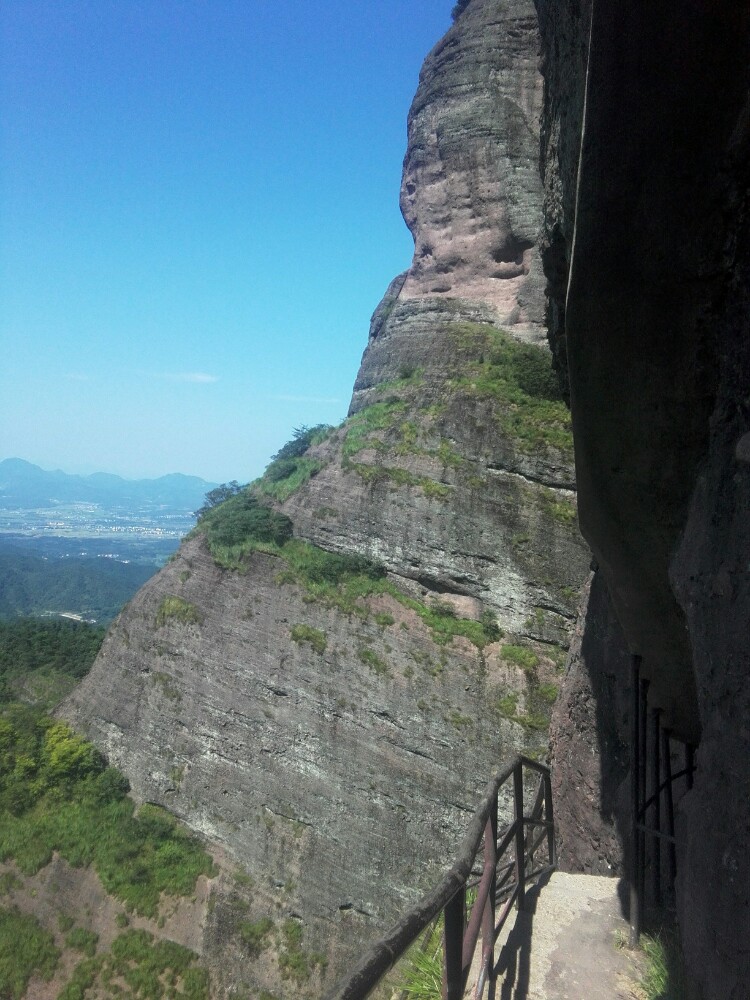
x=513, y=966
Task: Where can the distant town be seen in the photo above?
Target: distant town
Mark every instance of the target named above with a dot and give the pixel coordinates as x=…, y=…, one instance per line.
x=80, y=546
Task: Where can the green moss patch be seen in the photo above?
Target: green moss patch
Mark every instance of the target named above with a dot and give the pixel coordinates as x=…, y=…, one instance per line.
x=360, y=428
x=254, y=934
x=395, y=475
x=295, y=963
x=561, y=509
x=376, y=663
x=522, y=656
x=313, y=636
x=176, y=609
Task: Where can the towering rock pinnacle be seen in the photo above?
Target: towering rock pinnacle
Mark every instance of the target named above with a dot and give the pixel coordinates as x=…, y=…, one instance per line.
x=327, y=709
x=471, y=192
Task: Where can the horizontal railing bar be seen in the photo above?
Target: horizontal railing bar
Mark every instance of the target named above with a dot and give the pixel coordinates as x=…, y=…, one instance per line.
x=656, y=833
x=533, y=765
x=510, y=833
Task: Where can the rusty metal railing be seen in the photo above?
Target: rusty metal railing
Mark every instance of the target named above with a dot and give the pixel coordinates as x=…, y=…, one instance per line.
x=498, y=881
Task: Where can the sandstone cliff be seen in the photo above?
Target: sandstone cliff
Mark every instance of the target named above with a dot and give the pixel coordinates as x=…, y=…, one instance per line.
x=645, y=158
x=328, y=725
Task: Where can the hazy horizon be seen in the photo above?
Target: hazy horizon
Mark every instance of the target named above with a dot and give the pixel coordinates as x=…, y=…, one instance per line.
x=200, y=213
x=96, y=471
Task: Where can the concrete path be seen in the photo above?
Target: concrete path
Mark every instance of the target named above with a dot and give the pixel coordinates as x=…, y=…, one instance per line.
x=564, y=946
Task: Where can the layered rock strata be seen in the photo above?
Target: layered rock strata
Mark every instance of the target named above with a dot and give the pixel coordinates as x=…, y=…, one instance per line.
x=335, y=744
x=470, y=192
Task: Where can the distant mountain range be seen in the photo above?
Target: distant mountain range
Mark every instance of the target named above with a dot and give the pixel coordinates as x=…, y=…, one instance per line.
x=27, y=486
x=83, y=545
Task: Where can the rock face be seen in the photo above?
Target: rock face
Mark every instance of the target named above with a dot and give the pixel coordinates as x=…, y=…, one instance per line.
x=590, y=741
x=471, y=193
x=335, y=744
x=646, y=249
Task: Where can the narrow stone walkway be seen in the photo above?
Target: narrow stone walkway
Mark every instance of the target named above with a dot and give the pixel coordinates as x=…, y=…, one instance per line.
x=567, y=944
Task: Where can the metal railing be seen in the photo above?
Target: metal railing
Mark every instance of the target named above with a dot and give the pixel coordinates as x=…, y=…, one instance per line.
x=652, y=806
x=496, y=883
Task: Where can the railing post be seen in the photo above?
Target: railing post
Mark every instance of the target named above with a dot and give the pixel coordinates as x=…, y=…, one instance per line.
x=666, y=753
x=454, y=921
x=520, y=839
x=689, y=765
x=488, y=916
x=635, y=798
x=655, y=783
x=643, y=720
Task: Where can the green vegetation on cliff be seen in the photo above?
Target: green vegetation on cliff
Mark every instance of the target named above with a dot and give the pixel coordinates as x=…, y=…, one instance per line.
x=520, y=378
x=57, y=794
x=313, y=636
x=344, y=581
x=285, y=476
x=176, y=609
x=241, y=524
x=337, y=579
x=290, y=468
x=361, y=427
x=42, y=660
x=151, y=970
x=294, y=962
x=26, y=950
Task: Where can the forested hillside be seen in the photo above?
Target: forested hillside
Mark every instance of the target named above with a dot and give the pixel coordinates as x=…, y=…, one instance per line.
x=94, y=588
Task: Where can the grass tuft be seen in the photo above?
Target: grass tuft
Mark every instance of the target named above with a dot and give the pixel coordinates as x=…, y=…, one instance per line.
x=522, y=656
x=254, y=934
x=176, y=609
x=664, y=978
x=313, y=636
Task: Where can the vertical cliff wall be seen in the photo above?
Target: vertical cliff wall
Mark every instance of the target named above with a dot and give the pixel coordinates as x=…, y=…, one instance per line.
x=330, y=723
x=645, y=160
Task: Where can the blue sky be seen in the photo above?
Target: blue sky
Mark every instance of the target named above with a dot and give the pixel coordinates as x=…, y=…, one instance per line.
x=198, y=214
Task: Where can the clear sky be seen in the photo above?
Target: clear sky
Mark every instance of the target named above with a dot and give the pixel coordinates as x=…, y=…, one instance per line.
x=198, y=212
